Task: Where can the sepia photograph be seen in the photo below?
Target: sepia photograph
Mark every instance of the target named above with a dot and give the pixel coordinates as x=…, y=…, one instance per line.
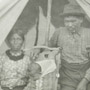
x=44, y=44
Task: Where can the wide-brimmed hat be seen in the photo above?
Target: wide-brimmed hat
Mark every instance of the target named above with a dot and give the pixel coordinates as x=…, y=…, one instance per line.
x=72, y=10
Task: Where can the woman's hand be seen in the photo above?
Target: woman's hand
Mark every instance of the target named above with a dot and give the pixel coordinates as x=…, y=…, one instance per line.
x=82, y=85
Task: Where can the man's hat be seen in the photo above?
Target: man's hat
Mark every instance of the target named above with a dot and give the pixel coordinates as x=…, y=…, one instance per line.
x=72, y=10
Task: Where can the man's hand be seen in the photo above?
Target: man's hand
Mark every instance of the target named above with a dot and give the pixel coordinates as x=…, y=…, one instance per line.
x=34, y=53
x=82, y=85
x=58, y=87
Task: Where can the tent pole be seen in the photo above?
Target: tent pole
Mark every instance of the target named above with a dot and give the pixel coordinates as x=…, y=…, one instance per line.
x=48, y=32
x=48, y=22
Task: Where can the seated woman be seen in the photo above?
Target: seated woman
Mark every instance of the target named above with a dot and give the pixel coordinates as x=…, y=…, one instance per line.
x=14, y=64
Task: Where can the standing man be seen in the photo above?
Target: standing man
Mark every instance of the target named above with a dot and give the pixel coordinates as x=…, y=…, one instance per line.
x=74, y=41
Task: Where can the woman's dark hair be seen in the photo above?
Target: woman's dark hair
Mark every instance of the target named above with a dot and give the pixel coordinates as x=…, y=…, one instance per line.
x=16, y=31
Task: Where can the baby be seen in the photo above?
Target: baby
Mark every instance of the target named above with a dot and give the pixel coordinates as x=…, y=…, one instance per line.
x=42, y=66
x=35, y=71
x=35, y=74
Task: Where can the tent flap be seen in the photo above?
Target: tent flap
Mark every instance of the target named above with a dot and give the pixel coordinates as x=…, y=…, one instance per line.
x=9, y=16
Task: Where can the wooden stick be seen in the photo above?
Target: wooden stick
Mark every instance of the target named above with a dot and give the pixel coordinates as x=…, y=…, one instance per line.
x=48, y=22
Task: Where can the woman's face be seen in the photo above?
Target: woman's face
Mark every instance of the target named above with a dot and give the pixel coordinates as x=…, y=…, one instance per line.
x=16, y=42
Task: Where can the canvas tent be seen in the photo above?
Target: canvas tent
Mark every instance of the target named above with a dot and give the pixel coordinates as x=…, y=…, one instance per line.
x=23, y=14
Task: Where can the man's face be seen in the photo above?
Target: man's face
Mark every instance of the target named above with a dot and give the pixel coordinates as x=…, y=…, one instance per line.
x=72, y=23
